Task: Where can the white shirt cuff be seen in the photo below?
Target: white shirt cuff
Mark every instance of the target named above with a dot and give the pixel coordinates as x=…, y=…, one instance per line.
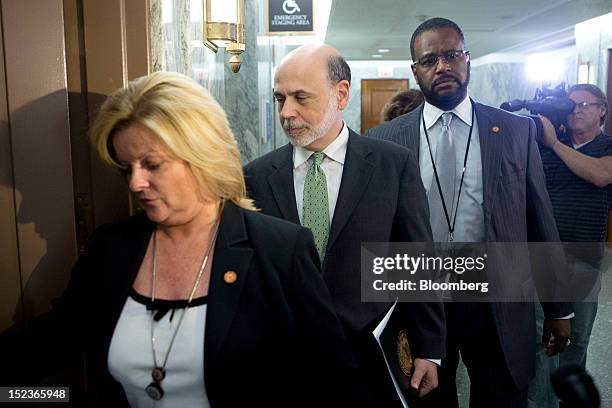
x=569, y=316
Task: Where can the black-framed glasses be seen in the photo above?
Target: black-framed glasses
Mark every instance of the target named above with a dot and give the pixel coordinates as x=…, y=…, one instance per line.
x=451, y=57
x=585, y=105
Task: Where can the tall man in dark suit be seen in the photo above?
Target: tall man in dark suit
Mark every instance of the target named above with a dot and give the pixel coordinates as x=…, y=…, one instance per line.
x=347, y=190
x=482, y=165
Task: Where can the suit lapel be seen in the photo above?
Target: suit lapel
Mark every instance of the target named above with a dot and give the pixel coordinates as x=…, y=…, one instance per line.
x=356, y=176
x=224, y=297
x=281, y=184
x=411, y=130
x=491, y=136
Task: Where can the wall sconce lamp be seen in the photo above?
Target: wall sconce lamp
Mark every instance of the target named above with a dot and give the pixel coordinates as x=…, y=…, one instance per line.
x=224, y=27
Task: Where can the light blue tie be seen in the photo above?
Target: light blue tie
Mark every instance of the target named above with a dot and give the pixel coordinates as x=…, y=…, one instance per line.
x=445, y=162
x=315, y=213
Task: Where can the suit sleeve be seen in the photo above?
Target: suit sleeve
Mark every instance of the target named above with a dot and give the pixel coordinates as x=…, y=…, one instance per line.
x=543, y=228
x=385, y=131
x=411, y=222
x=328, y=359
x=425, y=320
x=249, y=180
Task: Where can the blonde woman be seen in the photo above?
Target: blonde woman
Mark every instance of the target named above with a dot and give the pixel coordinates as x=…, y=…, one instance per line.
x=198, y=300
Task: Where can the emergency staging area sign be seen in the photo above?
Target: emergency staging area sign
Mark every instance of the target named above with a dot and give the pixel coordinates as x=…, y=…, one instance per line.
x=290, y=16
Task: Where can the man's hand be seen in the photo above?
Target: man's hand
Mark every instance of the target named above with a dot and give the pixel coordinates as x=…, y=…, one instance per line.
x=425, y=376
x=550, y=134
x=559, y=331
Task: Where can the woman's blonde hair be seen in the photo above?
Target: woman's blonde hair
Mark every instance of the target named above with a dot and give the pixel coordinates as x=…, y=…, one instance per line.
x=188, y=120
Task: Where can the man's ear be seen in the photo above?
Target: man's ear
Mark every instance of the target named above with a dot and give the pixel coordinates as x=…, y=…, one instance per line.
x=342, y=93
x=604, y=111
x=414, y=73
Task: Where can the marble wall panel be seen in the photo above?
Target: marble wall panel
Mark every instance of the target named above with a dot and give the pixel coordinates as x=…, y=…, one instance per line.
x=155, y=35
x=493, y=84
x=499, y=82
x=593, y=39
x=179, y=48
x=242, y=91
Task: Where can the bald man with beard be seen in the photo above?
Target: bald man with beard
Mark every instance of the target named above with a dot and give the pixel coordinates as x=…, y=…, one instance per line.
x=365, y=191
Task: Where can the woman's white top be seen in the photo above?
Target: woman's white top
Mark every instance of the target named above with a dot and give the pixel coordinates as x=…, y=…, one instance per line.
x=130, y=357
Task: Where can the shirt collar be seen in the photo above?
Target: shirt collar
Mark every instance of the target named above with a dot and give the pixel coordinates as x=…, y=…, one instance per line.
x=578, y=146
x=336, y=150
x=431, y=113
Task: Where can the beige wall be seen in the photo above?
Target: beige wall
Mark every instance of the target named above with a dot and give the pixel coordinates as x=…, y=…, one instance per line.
x=10, y=286
x=40, y=189
x=60, y=58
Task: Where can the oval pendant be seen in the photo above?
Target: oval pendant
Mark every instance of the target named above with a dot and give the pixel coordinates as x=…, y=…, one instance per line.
x=158, y=374
x=154, y=390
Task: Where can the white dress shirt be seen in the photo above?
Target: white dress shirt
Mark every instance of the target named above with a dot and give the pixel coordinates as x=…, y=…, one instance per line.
x=332, y=166
x=469, y=226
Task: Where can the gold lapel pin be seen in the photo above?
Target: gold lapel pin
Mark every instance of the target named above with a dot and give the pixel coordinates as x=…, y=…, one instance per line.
x=230, y=277
x=495, y=129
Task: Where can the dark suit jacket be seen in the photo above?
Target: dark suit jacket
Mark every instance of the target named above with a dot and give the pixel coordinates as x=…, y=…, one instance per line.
x=381, y=199
x=516, y=209
x=272, y=337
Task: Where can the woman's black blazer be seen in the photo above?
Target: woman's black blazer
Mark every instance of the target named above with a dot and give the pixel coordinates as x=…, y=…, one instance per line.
x=272, y=337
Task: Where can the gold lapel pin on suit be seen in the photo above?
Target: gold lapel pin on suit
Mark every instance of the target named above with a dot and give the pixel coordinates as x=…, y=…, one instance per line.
x=230, y=277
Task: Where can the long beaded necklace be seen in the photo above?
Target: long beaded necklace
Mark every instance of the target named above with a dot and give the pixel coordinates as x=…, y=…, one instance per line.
x=155, y=390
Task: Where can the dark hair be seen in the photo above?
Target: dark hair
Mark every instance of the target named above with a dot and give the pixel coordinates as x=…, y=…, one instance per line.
x=434, y=24
x=596, y=92
x=338, y=69
x=401, y=103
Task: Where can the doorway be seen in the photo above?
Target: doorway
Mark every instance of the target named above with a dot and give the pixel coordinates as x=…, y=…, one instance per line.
x=374, y=95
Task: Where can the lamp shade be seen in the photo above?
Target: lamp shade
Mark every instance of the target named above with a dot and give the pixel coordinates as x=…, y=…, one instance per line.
x=225, y=11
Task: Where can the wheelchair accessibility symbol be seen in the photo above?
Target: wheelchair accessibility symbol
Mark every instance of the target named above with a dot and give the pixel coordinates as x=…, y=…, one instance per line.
x=290, y=6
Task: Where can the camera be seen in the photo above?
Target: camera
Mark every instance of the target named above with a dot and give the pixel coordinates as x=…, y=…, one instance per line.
x=550, y=102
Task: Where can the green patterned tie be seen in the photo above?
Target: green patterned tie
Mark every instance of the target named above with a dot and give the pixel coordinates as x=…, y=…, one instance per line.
x=316, y=207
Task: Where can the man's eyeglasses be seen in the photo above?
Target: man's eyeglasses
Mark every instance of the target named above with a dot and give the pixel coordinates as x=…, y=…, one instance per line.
x=450, y=57
x=584, y=105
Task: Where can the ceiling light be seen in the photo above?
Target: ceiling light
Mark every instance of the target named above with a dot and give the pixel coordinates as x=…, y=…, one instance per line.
x=547, y=67
x=376, y=56
x=383, y=50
